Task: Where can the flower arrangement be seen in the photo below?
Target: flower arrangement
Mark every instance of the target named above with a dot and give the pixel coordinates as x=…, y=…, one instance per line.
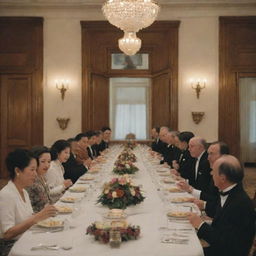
x=101, y=231
x=130, y=144
x=127, y=155
x=120, y=193
x=124, y=167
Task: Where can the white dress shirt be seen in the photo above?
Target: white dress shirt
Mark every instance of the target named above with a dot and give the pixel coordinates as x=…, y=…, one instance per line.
x=13, y=210
x=55, y=179
x=195, y=192
x=224, y=198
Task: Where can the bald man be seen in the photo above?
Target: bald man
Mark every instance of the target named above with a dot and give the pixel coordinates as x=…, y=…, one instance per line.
x=233, y=228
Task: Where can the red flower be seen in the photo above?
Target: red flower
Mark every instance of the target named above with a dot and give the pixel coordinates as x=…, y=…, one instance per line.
x=109, y=196
x=119, y=192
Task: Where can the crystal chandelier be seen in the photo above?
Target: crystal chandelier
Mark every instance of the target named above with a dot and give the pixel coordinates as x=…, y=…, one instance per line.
x=130, y=43
x=130, y=16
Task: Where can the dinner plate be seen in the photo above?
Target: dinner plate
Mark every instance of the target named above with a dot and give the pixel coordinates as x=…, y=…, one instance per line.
x=115, y=214
x=68, y=199
x=50, y=223
x=168, y=181
x=178, y=215
x=64, y=209
x=87, y=178
x=178, y=200
x=175, y=190
x=77, y=189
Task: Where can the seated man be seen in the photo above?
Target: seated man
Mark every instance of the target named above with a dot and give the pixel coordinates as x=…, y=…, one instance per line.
x=233, y=228
x=73, y=169
x=106, y=135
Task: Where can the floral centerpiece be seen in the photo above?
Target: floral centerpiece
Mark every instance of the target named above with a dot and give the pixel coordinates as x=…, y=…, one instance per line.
x=127, y=155
x=131, y=144
x=101, y=231
x=124, y=167
x=120, y=193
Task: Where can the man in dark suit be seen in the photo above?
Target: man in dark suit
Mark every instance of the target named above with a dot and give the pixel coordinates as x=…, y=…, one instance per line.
x=157, y=144
x=171, y=152
x=233, y=228
x=91, y=141
x=199, y=177
x=215, y=151
x=106, y=135
x=182, y=167
x=73, y=169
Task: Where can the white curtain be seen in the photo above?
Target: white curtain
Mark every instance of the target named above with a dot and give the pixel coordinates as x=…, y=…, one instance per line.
x=130, y=118
x=247, y=88
x=129, y=100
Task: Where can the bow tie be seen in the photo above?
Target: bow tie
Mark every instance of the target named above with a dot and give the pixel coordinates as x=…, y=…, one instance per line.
x=224, y=193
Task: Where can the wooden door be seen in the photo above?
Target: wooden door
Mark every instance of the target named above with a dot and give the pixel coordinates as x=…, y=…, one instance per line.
x=16, y=112
x=160, y=99
x=237, y=56
x=21, y=89
x=100, y=101
x=159, y=41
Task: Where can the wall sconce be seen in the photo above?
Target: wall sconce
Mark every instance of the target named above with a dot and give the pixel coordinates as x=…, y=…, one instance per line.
x=63, y=122
x=62, y=85
x=197, y=117
x=198, y=85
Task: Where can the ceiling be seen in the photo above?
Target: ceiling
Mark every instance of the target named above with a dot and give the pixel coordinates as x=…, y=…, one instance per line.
x=68, y=3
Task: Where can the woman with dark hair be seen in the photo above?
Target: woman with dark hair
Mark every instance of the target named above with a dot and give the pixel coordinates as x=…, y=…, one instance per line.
x=39, y=192
x=60, y=153
x=16, y=213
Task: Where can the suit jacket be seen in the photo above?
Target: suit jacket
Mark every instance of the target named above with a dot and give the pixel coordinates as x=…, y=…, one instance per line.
x=212, y=194
x=103, y=145
x=186, y=163
x=96, y=148
x=203, y=178
x=73, y=170
x=91, y=153
x=171, y=153
x=233, y=227
x=158, y=146
x=81, y=154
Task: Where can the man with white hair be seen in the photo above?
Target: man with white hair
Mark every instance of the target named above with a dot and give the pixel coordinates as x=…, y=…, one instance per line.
x=171, y=151
x=233, y=227
x=200, y=176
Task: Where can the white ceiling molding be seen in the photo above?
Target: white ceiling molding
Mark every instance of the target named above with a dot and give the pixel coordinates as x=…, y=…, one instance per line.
x=96, y=3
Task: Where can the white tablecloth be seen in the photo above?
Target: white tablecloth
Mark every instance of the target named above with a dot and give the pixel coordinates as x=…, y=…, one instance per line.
x=150, y=215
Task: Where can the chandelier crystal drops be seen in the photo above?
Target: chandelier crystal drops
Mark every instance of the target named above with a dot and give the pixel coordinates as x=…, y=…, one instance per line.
x=130, y=16
x=130, y=43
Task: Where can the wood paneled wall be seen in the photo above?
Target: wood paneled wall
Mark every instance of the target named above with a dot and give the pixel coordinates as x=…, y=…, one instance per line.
x=237, y=58
x=99, y=40
x=21, y=91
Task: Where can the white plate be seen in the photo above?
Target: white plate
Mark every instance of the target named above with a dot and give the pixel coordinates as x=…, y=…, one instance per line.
x=68, y=199
x=50, y=223
x=77, y=189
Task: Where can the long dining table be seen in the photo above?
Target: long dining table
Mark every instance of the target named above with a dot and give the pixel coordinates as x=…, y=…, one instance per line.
x=150, y=215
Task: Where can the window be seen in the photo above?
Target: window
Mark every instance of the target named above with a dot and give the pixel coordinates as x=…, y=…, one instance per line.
x=129, y=107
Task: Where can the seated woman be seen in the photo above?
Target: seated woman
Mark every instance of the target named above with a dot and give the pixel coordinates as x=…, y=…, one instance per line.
x=16, y=214
x=39, y=192
x=60, y=153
